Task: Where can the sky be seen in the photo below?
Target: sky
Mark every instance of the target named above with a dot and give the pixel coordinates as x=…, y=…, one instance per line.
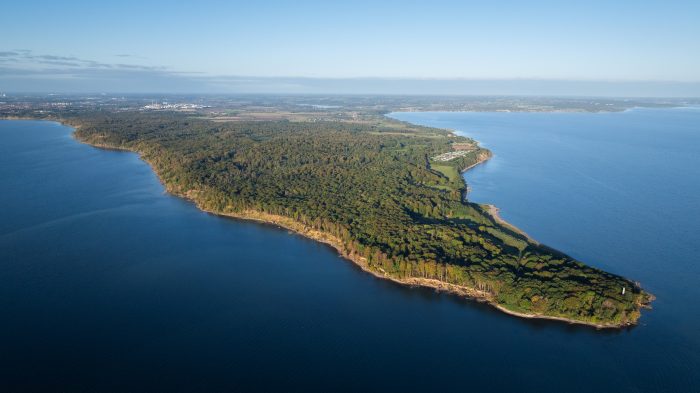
x=619, y=48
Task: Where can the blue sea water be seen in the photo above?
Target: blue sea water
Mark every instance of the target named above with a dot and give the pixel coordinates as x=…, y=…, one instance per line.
x=109, y=284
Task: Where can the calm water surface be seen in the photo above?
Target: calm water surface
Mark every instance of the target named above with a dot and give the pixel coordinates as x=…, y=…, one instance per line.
x=108, y=284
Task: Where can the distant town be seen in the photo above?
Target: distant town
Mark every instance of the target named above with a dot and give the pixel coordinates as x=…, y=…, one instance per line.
x=175, y=107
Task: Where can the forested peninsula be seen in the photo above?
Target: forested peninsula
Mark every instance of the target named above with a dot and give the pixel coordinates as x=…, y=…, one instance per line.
x=387, y=195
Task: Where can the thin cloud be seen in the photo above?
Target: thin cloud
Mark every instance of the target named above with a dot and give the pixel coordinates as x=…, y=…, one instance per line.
x=39, y=61
x=59, y=63
x=140, y=67
x=130, y=56
x=52, y=57
x=26, y=71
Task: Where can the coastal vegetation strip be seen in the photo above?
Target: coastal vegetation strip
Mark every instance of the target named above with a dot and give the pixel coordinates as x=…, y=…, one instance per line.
x=373, y=193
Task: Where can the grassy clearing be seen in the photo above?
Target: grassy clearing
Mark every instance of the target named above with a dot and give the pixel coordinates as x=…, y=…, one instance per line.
x=449, y=171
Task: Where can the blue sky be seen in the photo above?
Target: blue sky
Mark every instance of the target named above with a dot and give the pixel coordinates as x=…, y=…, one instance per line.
x=638, y=47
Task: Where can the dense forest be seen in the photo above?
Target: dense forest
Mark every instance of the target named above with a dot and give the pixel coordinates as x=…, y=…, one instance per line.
x=377, y=189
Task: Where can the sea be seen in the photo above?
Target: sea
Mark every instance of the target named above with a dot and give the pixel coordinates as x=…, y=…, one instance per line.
x=107, y=283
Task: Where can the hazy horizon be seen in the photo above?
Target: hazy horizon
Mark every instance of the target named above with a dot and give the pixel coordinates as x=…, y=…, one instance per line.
x=135, y=84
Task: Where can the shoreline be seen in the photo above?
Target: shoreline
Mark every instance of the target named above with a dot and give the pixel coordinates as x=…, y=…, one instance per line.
x=494, y=212
x=298, y=228
x=550, y=110
x=440, y=286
